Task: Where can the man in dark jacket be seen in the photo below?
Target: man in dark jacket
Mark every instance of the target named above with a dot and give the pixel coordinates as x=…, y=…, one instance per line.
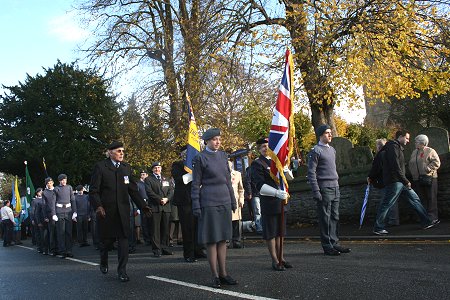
x=109, y=192
x=182, y=199
x=83, y=218
x=160, y=193
x=397, y=184
x=50, y=218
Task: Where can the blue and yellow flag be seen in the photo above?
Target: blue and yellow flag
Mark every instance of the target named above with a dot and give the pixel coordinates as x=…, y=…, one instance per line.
x=16, y=197
x=193, y=140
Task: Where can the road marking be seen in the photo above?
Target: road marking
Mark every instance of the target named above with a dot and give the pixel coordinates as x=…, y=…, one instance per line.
x=210, y=289
x=68, y=258
x=82, y=261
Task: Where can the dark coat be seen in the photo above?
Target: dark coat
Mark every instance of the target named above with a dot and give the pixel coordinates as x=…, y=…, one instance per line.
x=182, y=192
x=260, y=176
x=394, y=163
x=156, y=191
x=112, y=188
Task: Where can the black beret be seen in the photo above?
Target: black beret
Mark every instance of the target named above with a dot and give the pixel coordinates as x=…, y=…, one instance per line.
x=115, y=145
x=143, y=171
x=62, y=176
x=79, y=187
x=262, y=141
x=38, y=190
x=155, y=164
x=210, y=133
x=321, y=129
x=48, y=179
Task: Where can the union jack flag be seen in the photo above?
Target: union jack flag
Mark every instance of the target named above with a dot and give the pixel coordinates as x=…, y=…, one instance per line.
x=282, y=130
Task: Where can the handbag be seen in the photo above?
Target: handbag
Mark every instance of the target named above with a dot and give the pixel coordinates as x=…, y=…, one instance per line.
x=424, y=180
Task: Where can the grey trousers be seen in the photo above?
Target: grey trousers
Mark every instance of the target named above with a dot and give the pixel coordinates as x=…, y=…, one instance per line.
x=328, y=215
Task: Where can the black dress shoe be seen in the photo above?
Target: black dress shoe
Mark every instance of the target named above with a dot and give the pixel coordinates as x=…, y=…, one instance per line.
x=124, y=278
x=45, y=253
x=200, y=254
x=63, y=256
x=277, y=267
x=287, y=265
x=54, y=254
x=104, y=268
x=131, y=250
x=342, y=249
x=216, y=282
x=227, y=280
x=166, y=252
x=237, y=245
x=156, y=253
x=190, y=260
x=68, y=254
x=331, y=252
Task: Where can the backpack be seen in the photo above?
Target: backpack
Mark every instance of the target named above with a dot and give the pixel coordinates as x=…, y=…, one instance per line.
x=376, y=173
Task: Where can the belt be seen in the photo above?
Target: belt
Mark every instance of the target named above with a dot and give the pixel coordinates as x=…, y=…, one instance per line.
x=63, y=205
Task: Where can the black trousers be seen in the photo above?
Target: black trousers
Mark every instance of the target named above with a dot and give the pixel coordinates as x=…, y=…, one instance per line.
x=160, y=234
x=64, y=231
x=82, y=229
x=7, y=232
x=37, y=236
x=189, y=229
x=44, y=233
x=146, y=225
x=94, y=230
x=53, y=240
x=122, y=253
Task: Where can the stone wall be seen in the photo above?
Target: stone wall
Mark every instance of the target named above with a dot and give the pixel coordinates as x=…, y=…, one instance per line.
x=353, y=164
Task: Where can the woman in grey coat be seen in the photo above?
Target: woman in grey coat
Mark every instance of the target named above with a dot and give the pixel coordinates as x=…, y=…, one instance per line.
x=212, y=202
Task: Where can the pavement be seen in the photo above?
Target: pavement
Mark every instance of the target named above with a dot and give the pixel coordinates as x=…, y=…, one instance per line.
x=351, y=231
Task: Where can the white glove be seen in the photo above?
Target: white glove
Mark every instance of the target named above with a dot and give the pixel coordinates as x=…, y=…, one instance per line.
x=55, y=218
x=267, y=190
x=187, y=178
x=288, y=173
x=74, y=216
x=138, y=211
x=281, y=194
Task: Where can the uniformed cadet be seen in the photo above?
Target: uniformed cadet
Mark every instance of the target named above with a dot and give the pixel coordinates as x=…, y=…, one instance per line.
x=49, y=212
x=66, y=211
x=35, y=218
x=83, y=209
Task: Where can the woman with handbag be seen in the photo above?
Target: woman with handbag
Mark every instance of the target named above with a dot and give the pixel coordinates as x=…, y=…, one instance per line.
x=423, y=166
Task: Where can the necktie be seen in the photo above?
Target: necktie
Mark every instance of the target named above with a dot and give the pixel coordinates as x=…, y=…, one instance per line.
x=159, y=177
x=117, y=165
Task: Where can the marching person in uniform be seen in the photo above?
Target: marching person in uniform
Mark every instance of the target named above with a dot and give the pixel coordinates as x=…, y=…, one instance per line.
x=212, y=202
x=66, y=211
x=36, y=220
x=83, y=218
x=50, y=218
x=160, y=193
x=109, y=192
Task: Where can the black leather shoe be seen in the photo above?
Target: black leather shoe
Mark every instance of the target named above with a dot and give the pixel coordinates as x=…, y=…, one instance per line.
x=103, y=268
x=278, y=267
x=331, y=252
x=237, y=245
x=68, y=254
x=342, y=249
x=54, y=254
x=216, y=282
x=190, y=260
x=287, y=265
x=227, y=280
x=63, y=256
x=166, y=252
x=200, y=254
x=124, y=278
x=156, y=253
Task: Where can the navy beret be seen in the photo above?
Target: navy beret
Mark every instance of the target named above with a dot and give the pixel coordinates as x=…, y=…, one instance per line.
x=262, y=141
x=155, y=164
x=62, y=176
x=210, y=133
x=48, y=179
x=115, y=145
x=321, y=129
x=38, y=190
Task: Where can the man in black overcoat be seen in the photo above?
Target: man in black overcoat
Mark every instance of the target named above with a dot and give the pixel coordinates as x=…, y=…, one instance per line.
x=109, y=193
x=160, y=193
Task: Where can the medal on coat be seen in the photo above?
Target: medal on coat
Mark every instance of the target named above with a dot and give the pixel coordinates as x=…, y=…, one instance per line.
x=126, y=180
x=165, y=183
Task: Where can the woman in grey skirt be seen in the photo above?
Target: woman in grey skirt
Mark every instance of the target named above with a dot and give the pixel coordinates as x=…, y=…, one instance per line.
x=212, y=202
